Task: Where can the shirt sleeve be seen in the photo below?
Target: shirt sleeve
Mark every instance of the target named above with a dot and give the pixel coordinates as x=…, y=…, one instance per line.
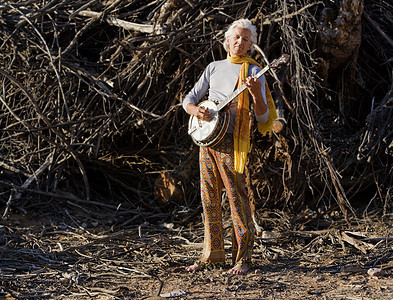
x=199, y=90
x=265, y=116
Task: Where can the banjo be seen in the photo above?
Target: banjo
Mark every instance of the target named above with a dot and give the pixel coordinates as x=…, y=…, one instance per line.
x=209, y=133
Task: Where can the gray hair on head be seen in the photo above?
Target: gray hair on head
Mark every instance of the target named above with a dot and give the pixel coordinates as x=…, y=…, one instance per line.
x=241, y=23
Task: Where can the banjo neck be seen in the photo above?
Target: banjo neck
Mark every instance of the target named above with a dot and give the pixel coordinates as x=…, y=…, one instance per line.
x=240, y=89
x=282, y=59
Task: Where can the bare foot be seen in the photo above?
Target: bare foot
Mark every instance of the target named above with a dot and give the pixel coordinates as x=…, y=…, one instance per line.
x=194, y=267
x=239, y=269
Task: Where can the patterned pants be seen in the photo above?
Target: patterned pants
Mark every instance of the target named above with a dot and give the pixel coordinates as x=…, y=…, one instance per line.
x=216, y=171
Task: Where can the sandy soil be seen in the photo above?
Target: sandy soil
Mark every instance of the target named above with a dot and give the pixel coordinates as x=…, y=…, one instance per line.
x=76, y=257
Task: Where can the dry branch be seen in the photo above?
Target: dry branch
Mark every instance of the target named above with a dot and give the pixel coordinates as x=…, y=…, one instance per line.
x=144, y=28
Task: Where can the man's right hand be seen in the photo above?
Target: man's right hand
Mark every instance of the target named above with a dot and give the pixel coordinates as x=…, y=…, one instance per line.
x=200, y=112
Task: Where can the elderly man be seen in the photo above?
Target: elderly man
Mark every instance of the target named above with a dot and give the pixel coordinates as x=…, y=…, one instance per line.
x=223, y=163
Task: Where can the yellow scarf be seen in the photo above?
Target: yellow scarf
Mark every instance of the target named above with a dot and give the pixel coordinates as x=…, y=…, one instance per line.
x=241, y=133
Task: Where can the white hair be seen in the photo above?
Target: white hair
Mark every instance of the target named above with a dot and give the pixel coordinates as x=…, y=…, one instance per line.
x=241, y=23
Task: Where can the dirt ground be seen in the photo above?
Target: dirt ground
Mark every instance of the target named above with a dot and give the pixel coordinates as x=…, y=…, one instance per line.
x=74, y=256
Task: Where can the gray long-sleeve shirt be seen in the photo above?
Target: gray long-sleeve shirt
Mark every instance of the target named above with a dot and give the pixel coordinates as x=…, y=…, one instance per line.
x=219, y=81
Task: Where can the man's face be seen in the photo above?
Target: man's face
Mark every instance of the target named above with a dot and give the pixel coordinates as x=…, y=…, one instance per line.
x=239, y=41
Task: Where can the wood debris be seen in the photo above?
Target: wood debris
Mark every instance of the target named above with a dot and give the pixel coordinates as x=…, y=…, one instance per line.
x=91, y=110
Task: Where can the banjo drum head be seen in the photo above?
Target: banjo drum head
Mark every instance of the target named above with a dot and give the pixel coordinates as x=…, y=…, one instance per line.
x=201, y=131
